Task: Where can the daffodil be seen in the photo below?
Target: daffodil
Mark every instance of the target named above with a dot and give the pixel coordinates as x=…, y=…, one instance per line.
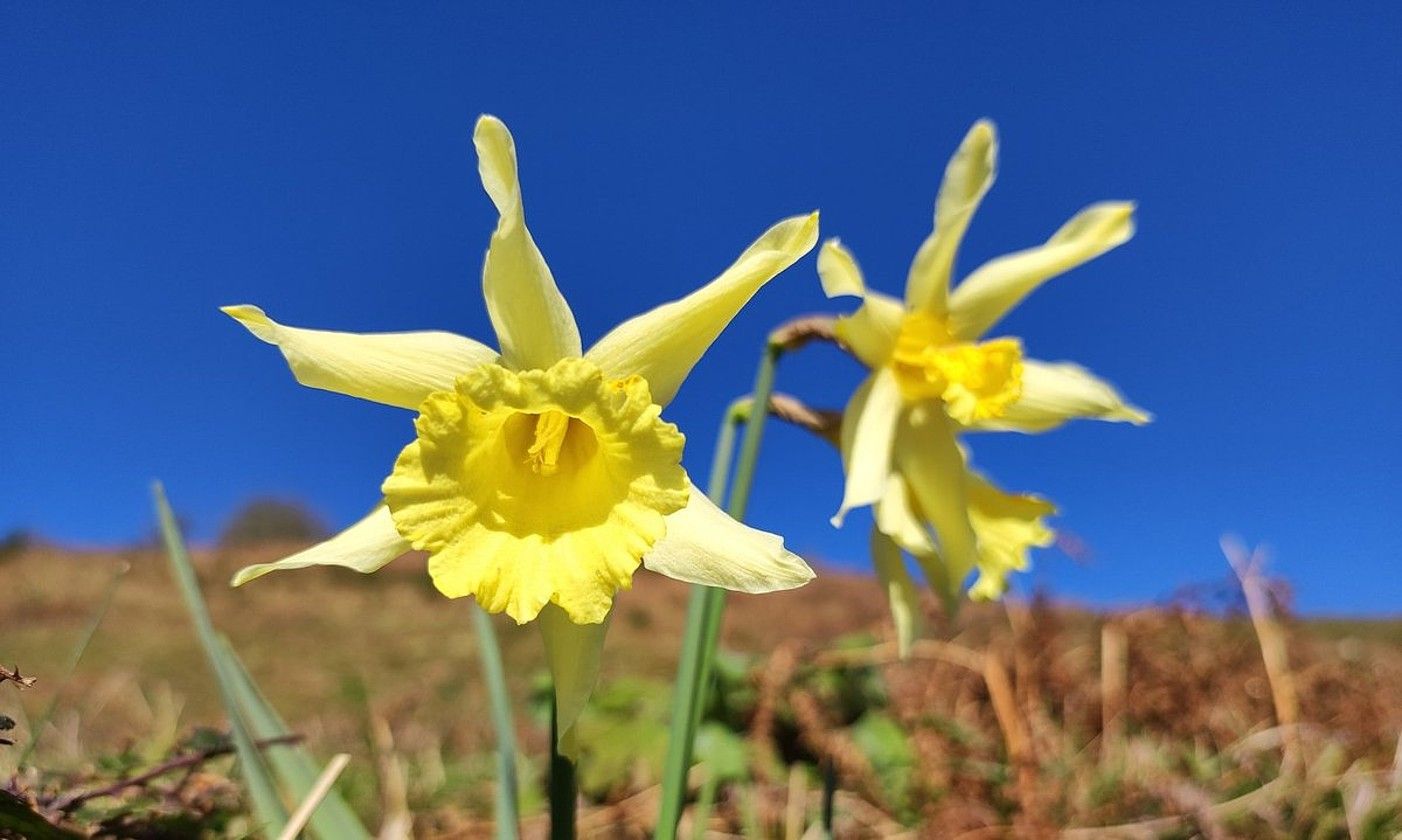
x=1006, y=526
x=541, y=476
x=935, y=373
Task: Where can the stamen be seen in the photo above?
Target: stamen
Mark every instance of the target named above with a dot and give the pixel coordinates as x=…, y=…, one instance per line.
x=544, y=453
x=975, y=381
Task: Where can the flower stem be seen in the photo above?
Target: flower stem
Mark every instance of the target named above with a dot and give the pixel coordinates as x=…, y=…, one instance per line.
x=562, y=785
x=707, y=606
x=507, y=811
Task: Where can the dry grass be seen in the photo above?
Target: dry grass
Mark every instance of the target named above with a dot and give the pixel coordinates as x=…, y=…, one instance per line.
x=1020, y=722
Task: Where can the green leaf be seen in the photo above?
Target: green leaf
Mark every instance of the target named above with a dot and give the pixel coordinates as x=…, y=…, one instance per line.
x=268, y=809
x=333, y=818
x=724, y=752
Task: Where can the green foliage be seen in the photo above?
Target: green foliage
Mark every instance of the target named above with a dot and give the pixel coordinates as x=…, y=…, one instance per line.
x=250, y=716
x=623, y=736
x=272, y=520
x=887, y=747
x=16, y=542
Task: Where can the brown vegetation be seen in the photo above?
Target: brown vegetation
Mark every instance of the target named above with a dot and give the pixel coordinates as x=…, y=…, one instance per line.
x=1020, y=720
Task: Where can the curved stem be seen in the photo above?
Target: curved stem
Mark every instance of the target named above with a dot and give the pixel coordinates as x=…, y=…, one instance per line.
x=507, y=810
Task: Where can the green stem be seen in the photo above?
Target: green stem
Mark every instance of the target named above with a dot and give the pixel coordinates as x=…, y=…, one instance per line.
x=562, y=785
x=507, y=810
x=705, y=803
x=707, y=606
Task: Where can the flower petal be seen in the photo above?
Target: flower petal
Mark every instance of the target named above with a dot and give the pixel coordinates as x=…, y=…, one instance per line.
x=839, y=272
x=365, y=546
x=997, y=286
x=869, y=426
x=573, y=652
x=900, y=589
x=870, y=332
x=391, y=368
x=896, y=516
x=1055, y=392
x=966, y=180
x=705, y=545
x=663, y=345
x=1008, y=525
x=533, y=322
x=927, y=454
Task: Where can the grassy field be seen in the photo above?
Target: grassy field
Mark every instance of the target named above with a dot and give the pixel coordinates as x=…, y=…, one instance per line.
x=1021, y=720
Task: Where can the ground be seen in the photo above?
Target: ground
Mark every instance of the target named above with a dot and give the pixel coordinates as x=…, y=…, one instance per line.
x=998, y=723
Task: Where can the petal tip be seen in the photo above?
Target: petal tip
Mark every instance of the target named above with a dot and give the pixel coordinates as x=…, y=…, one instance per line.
x=253, y=319
x=488, y=122
x=246, y=574
x=806, y=236
x=1136, y=415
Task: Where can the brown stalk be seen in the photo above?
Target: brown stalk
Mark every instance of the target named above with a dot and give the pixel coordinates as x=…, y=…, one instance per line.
x=1013, y=727
x=793, y=334
x=1271, y=636
x=825, y=423
x=1114, y=681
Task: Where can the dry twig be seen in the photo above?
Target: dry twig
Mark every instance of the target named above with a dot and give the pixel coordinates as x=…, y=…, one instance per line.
x=71, y=801
x=13, y=675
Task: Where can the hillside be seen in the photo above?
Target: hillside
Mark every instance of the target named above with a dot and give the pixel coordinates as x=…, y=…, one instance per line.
x=384, y=668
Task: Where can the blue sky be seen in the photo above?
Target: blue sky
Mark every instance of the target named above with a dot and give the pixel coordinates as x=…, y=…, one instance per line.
x=157, y=161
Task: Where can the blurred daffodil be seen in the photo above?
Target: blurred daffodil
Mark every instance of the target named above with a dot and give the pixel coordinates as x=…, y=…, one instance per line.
x=1006, y=526
x=541, y=476
x=934, y=374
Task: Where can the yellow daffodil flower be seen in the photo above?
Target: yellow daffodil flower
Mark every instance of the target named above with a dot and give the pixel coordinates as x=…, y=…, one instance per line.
x=1006, y=525
x=540, y=477
x=934, y=374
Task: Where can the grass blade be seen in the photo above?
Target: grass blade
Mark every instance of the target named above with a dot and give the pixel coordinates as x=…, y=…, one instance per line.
x=262, y=791
x=508, y=810
x=333, y=819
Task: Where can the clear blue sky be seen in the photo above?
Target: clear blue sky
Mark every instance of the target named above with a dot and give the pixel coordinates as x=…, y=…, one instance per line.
x=157, y=161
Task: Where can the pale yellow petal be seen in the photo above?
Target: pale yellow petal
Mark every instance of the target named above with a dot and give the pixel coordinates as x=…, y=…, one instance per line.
x=663, y=345
x=838, y=271
x=533, y=322
x=573, y=652
x=365, y=547
x=897, y=517
x=705, y=545
x=900, y=589
x=997, y=286
x=927, y=454
x=1055, y=392
x=966, y=180
x=870, y=332
x=1008, y=526
x=392, y=368
x=869, y=430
